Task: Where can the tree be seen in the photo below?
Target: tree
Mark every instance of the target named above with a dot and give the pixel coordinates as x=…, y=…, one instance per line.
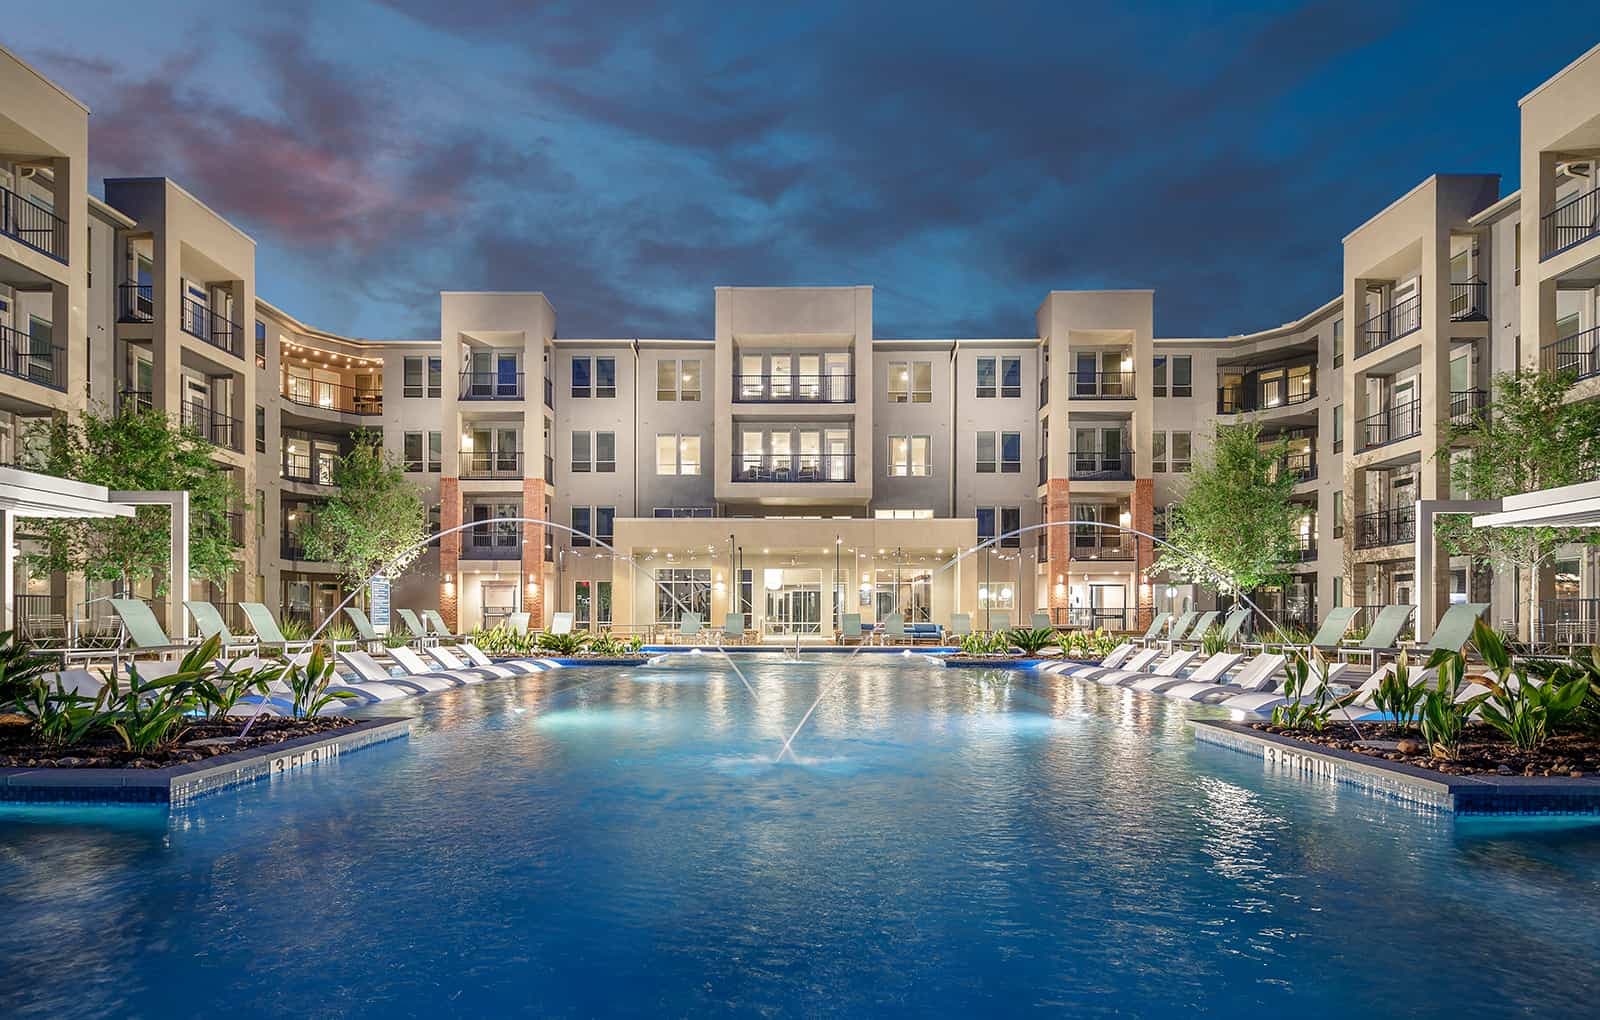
x=1235, y=526
x=1531, y=438
x=377, y=520
x=134, y=450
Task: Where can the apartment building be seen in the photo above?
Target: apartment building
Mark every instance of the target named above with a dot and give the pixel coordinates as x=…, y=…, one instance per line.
x=792, y=464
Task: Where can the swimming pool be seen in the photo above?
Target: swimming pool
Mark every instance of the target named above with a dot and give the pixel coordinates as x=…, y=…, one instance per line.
x=592, y=841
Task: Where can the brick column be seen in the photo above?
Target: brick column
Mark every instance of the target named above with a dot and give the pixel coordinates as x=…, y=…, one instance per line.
x=449, y=551
x=1144, y=519
x=1058, y=507
x=533, y=549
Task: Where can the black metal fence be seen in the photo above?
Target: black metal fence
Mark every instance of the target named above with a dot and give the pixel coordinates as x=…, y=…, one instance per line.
x=491, y=385
x=24, y=356
x=1578, y=354
x=794, y=467
x=1570, y=223
x=1391, y=424
x=213, y=327
x=1391, y=324
x=1393, y=526
x=797, y=389
x=32, y=224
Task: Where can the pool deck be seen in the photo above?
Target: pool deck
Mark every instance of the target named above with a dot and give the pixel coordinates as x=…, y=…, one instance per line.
x=177, y=785
x=1422, y=788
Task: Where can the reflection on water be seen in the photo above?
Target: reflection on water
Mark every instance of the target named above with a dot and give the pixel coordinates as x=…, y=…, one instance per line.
x=585, y=842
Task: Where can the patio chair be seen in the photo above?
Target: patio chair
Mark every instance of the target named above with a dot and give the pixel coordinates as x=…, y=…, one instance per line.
x=211, y=624
x=960, y=624
x=894, y=629
x=373, y=677
x=1180, y=627
x=435, y=624
x=449, y=662
x=1201, y=627
x=1326, y=639
x=561, y=623
x=999, y=621
x=1166, y=669
x=733, y=628
x=419, y=634
x=518, y=622
x=1156, y=626
x=688, y=626
x=1042, y=621
x=1382, y=636
x=269, y=636
x=365, y=631
x=413, y=665
x=142, y=634
x=849, y=628
x=1207, y=675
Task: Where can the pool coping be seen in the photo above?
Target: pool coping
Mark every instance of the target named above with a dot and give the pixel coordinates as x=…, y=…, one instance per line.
x=177, y=785
x=1418, y=787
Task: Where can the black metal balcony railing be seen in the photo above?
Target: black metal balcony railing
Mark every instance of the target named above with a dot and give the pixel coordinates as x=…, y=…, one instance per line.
x=1101, y=465
x=549, y=468
x=1102, y=385
x=1578, y=355
x=1393, y=526
x=216, y=428
x=1091, y=548
x=41, y=619
x=1044, y=468
x=1239, y=400
x=303, y=467
x=796, y=389
x=550, y=393
x=136, y=302
x=32, y=224
x=491, y=464
x=1302, y=465
x=1570, y=223
x=488, y=543
x=1569, y=622
x=213, y=327
x=1390, y=325
x=293, y=549
x=1306, y=548
x=1044, y=390
x=328, y=396
x=684, y=511
x=794, y=467
x=134, y=401
x=1468, y=301
x=235, y=525
x=491, y=385
x=38, y=361
x=1390, y=425
x=1467, y=405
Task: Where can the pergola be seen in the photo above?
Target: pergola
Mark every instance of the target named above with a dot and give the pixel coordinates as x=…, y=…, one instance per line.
x=1569, y=506
x=26, y=494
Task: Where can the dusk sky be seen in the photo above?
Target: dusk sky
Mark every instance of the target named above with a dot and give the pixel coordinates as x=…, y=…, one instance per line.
x=625, y=158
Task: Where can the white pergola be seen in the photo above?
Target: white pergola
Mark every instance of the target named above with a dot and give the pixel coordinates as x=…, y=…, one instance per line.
x=25, y=494
x=1569, y=506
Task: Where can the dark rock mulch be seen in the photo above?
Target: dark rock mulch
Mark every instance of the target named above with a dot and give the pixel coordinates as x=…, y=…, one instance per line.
x=1483, y=750
x=197, y=741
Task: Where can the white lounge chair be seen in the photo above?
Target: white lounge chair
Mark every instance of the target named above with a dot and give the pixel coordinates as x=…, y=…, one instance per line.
x=1109, y=672
x=1207, y=674
x=849, y=628
x=561, y=623
x=518, y=622
x=1168, y=667
x=369, y=673
x=367, y=635
x=688, y=626
x=211, y=624
x=1155, y=630
x=419, y=633
x=960, y=624
x=733, y=628
x=413, y=665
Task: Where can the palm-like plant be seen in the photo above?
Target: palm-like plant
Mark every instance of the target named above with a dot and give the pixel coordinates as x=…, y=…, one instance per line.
x=1030, y=641
x=1523, y=711
x=564, y=644
x=308, y=684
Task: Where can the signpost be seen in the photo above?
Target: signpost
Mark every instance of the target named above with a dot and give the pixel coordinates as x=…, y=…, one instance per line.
x=378, y=589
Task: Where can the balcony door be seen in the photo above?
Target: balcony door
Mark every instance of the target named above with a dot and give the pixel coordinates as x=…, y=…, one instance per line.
x=837, y=369
x=838, y=446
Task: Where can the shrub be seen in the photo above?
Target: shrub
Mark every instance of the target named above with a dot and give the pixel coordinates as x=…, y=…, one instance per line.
x=1308, y=708
x=1398, y=695
x=308, y=684
x=1443, y=719
x=294, y=628
x=147, y=714
x=20, y=669
x=396, y=640
x=610, y=646
x=340, y=632
x=218, y=694
x=563, y=644
x=1213, y=643
x=1525, y=713
x=985, y=644
x=59, y=717
x=1030, y=641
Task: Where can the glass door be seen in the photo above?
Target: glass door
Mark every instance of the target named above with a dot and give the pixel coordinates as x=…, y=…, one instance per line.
x=838, y=465
x=837, y=367
x=782, y=381
x=810, y=381
x=809, y=465
x=506, y=383
x=481, y=382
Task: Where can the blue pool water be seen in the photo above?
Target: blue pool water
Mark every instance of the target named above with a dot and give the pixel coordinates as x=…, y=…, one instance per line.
x=599, y=842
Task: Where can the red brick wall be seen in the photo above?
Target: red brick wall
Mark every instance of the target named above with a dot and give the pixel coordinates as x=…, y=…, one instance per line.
x=1058, y=507
x=449, y=551
x=533, y=550
x=1144, y=519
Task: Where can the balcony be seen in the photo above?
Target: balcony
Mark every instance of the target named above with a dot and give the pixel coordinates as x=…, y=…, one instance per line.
x=1113, y=548
x=1468, y=301
x=38, y=361
x=550, y=393
x=794, y=389
x=1394, y=526
x=1102, y=385
x=1390, y=425
x=491, y=464
x=1279, y=389
x=32, y=224
x=1044, y=468
x=1578, y=355
x=1101, y=465
x=1467, y=406
x=213, y=327
x=291, y=548
x=1306, y=548
x=235, y=525
x=1044, y=389
x=1389, y=325
x=328, y=396
x=134, y=401
x=216, y=428
x=491, y=385
x=1302, y=465
x=303, y=468
x=794, y=467
x=136, y=302
x=1569, y=224
x=490, y=544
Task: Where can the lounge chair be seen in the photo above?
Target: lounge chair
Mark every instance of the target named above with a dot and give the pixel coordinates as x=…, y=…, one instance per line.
x=1257, y=679
x=561, y=623
x=143, y=632
x=1166, y=669
x=435, y=624
x=1233, y=623
x=1116, y=657
x=1134, y=662
x=733, y=628
x=1382, y=636
x=450, y=663
x=412, y=663
x=1156, y=626
x=1327, y=638
x=894, y=629
x=419, y=633
x=960, y=624
x=688, y=627
x=850, y=628
x=999, y=621
x=1203, y=625
x=516, y=622
x=476, y=657
x=368, y=672
x=1207, y=674
x=1452, y=634
x=367, y=635
x=1180, y=627
x=211, y=624
x=1042, y=621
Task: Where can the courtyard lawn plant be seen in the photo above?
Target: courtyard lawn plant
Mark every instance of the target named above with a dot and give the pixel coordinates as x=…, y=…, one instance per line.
x=1032, y=641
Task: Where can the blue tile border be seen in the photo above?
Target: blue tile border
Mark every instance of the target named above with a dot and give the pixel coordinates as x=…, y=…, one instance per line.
x=178, y=785
x=1418, y=787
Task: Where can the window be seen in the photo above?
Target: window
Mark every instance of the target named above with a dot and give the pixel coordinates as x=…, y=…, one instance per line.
x=582, y=603
x=689, y=379
x=985, y=523
x=1300, y=386
x=1180, y=446
x=435, y=452
x=911, y=382
x=899, y=382
x=413, y=451
x=1011, y=377
x=1182, y=375
x=1338, y=515
x=1010, y=522
x=678, y=380
x=1338, y=427
x=413, y=375
x=666, y=380
x=919, y=514
x=581, y=459
x=1158, y=521
x=908, y=456
x=1158, y=451
x=582, y=376
x=605, y=377
x=261, y=344
x=580, y=525
x=1338, y=342
x=605, y=523
x=1516, y=253
x=677, y=454
x=605, y=452
x=435, y=376
x=1338, y=590
x=986, y=387
x=1158, y=385
x=261, y=513
x=1011, y=452
x=986, y=451
x=680, y=590
x=261, y=429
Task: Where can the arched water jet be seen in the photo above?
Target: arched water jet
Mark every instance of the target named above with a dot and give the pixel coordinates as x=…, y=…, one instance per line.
x=404, y=555
x=1226, y=581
